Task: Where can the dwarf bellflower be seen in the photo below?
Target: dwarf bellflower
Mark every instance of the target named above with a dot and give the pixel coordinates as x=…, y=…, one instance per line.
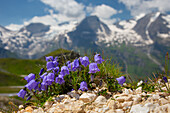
x=93, y=68
x=60, y=79
x=50, y=65
x=98, y=59
x=31, y=85
x=56, y=70
x=75, y=65
x=64, y=70
x=83, y=86
x=22, y=93
x=41, y=71
x=42, y=76
x=30, y=77
x=49, y=58
x=121, y=80
x=165, y=79
x=85, y=61
x=50, y=78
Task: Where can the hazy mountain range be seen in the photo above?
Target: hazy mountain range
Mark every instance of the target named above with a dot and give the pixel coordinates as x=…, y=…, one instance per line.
x=138, y=44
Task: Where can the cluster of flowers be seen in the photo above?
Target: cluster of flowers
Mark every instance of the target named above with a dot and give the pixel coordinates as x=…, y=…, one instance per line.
x=53, y=74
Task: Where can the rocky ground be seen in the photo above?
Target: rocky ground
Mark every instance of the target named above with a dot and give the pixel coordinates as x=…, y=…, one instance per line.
x=127, y=101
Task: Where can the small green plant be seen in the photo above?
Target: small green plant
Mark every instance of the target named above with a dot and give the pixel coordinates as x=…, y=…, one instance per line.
x=59, y=78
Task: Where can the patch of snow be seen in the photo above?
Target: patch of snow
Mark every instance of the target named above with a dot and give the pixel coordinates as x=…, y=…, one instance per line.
x=164, y=36
x=167, y=19
x=140, y=16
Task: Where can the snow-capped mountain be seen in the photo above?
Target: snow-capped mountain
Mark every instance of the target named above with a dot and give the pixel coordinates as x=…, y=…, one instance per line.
x=37, y=38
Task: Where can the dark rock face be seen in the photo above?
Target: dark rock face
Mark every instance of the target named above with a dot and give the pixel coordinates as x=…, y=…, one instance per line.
x=141, y=25
x=36, y=29
x=86, y=31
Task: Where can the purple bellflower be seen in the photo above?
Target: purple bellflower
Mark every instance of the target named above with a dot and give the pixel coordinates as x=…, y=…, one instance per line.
x=29, y=98
x=165, y=79
x=75, y=65
x=121, y=80
x=55, y=63
x=85, y=61
x=30, y=77
x=60, y=79
x=70, y=66
x=56, y=70
x=22, y=93
x=83, y=86
x=68, y=62
x=64, y=70
x=98, y=59
x=42, y=76
x=50, y=78
x=49, y=58
x=93, y=68
x=31, y=85
x=56, y=58
x=44, y=84
x=50, y=65
x=41, y=71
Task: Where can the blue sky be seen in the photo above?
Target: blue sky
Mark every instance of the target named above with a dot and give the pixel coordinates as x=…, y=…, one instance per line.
x=16, y=13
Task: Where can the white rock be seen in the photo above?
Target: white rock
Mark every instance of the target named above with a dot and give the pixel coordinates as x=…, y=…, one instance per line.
x=120, y=99
x=137, y=99
x=138, y=90
x=87, y=97
x=100, y=99
x=151, y=106
x=139, y=83
x=21, y=107
x=155, y=97
x=39, y=110
x=139, y=109
x=119, y=111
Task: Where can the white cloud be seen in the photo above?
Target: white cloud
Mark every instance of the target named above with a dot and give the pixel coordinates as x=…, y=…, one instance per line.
x=146, y=6
x=69, y=8
x=105, y=12
x=14, y=27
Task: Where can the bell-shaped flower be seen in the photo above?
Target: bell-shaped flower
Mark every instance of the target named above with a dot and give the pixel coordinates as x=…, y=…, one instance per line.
x=68, y=62
x=29, y=98
x=42, y=76
x=22, y=93
x=165, y=79
x=30, y=77
x=85, y=61
x=49, y=58
x=41, y=71
x=64, y=70
x=50, y=78
x=76, y=65
x=56, y=70
x=55, y=63
x=44, y=84
x=56, y=58
x=121, y=80
x=50, y=66
x=70, y=66
x=60, y=79
x=93, y=68
x=98, y=59
x=31, y=85
x=83, y=86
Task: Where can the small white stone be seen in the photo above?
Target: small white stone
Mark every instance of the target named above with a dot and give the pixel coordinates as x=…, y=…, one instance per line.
x=138, y=90
x=137, y=99
x=119, y=111
x=87, y=97
x=120, y=99
x=155, y=97
x=39, y=110
x=100, y=99
x=21, y=106
x=139, y=109
x=139, y=83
